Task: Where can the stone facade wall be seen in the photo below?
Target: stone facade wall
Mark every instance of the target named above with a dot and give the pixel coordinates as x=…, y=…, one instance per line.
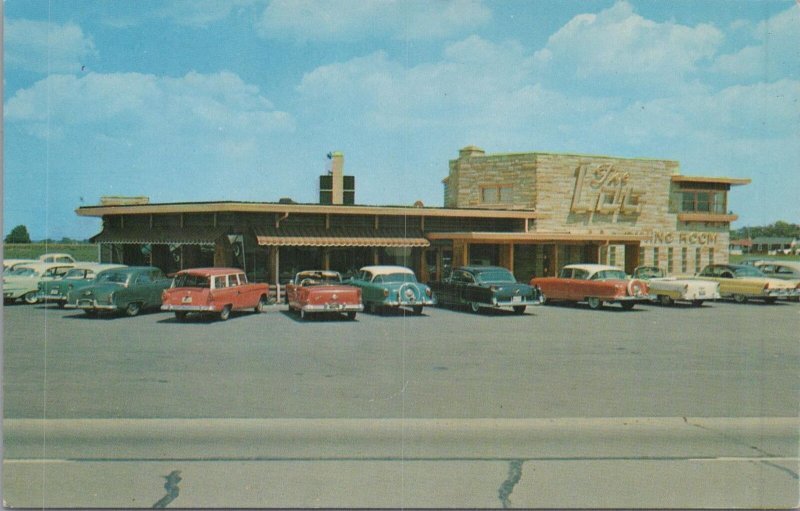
x=583, y=194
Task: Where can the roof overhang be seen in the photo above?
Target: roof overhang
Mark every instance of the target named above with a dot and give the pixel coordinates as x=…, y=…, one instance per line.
x=730, y=181
x=707, y=217
x=299, y=237
x=265, y=207
x=537, y=237
x=171, y=236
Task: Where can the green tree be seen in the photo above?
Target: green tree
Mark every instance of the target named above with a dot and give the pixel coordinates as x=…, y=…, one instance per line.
x=18, y=234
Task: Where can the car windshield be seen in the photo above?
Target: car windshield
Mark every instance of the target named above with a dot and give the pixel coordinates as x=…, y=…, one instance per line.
x=748, y=271
x=23, y=272
x=649, y=273
x=496, y=276
x=114, y=277
x=398, y=277
x=319, y=278
x=192, y=280
x=609, y=274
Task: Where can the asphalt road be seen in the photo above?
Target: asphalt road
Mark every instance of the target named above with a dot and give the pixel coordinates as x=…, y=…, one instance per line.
x=720, y=360
x=562, y=407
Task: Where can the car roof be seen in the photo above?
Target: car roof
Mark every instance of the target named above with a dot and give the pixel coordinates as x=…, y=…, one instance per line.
x=53, y=254
x=330, y=273
x=776, y=262
x=210, y=271
x=480, y=268
x=592, y=267
x=386, y=270
x=39, y=266
x=96, y=266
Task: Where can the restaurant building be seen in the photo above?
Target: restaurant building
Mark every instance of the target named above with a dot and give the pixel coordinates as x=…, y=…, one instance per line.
x=530, y=212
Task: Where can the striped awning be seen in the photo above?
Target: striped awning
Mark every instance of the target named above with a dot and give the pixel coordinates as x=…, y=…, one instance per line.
x=162, y=236
x=339, y=237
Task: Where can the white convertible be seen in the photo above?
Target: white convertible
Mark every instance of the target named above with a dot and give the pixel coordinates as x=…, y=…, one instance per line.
x=669, y=290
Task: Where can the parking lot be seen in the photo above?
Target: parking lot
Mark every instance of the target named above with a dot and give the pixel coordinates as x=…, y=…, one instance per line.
x=574, y=367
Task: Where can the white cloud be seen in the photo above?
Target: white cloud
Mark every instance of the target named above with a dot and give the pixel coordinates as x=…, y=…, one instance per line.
x=775, y=55
x=321, y=20
x=45, y=47
x=621, y=48
x=144, y=132
x=201, y=13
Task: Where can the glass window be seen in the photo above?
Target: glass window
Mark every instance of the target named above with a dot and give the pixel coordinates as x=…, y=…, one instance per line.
x=242, y=278
x=220, y=282
x=670, y=268
x=489, y=195
x=655, y=257
x=580, y=274
x=143, y=278
x=684, y=260
x=612, y=256
x=233, y=281
x=506, y=194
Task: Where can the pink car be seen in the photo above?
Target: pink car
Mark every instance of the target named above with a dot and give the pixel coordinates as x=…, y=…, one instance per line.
x=320, y=291
x=594, y=284
x=214, y=291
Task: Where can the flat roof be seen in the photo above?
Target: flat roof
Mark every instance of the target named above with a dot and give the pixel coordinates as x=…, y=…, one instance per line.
x=275, y=207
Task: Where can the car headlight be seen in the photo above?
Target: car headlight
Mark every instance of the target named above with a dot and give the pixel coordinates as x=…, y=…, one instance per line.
x=385, y=292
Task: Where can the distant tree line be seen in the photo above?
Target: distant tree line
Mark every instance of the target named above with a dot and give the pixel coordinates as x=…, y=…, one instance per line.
x=19, y=234
x=777, y=230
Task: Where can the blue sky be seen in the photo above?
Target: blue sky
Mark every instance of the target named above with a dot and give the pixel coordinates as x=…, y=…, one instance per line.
x=198, y=100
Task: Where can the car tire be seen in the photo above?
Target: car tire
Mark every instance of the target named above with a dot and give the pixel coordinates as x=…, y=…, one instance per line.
x=351, y=316
x=90, y=313
x=628, y=305
x=740, y=298
x=474, y=307
x=261, y=305
x=697, y=303
x=180, y=316
x=519, y=309
x=417, y=310
x=30, y=298
x=133, y=309
x=594, y=302
x=61, y=304
x=225, y=313
x=665, y=300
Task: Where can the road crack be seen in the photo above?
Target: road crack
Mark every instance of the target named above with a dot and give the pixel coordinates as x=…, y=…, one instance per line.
x=172, y=489
x=514, y=475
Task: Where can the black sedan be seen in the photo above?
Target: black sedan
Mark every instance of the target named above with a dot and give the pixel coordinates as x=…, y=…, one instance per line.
x=485, y=287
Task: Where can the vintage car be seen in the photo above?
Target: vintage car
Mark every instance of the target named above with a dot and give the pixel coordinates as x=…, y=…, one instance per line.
x=81, y=275
x=9, y=264
x=321, y=291
x=485, y=287
x=669, y=290
x=391, y=286
x=130, y=290
x=56, y=258
x=742, y=283
x=595, y=284
x=218, y=291
x=23, y=281
x=784, y=270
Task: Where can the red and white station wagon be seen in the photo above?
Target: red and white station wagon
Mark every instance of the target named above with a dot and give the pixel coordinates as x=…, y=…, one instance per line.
x=213, y=290
x=320, y=291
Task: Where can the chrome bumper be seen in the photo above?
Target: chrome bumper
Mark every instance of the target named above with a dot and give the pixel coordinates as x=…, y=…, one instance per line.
x=333, y=307
x=90, y=305
x=188, y=308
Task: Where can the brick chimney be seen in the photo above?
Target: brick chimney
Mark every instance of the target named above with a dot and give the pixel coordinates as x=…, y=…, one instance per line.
x=337, y=173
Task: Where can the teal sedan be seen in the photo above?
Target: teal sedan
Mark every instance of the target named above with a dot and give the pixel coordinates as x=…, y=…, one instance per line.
x=82, y=275
x=129, y=290
x=391, y=287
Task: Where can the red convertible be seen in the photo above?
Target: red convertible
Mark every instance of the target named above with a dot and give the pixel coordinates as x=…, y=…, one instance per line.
x=213, y=290
x=318, y=291
x=594, y=284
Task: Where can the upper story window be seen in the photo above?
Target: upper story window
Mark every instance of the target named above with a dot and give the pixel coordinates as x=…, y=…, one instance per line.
x=703, y=201
x=497, y=194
